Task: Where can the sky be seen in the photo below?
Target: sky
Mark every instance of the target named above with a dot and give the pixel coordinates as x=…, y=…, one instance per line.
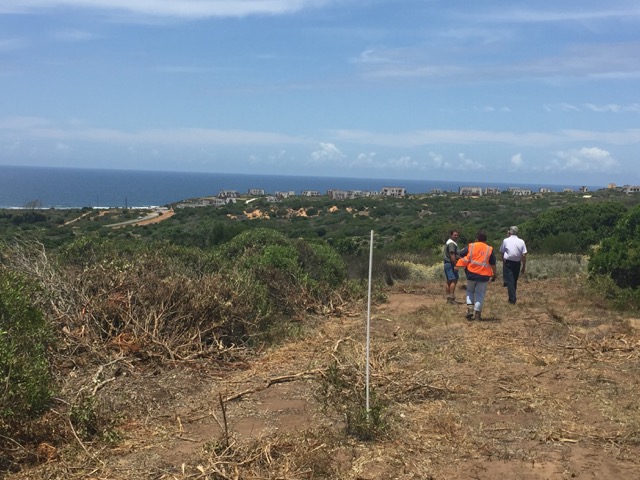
x=544, y=91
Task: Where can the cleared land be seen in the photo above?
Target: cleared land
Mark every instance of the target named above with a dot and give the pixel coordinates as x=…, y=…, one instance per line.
x=546, y=389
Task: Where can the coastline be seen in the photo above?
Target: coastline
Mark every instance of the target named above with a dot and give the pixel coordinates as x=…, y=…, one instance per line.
x=62, y=188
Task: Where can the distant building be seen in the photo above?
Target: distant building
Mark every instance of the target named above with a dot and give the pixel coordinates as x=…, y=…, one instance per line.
x=287, y=194
x=631, y=189
x=521, y=192
x=470, y=191
x=228, y=194
x=492, y=191
x=310, y=193
x=584, y=189
x=436, y=191
x=338, y=194
x=397, y=192
x=256, y=192
x=567, y=190
x=545, y=190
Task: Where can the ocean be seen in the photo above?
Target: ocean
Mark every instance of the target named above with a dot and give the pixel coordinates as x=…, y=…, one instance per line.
x=52, y=187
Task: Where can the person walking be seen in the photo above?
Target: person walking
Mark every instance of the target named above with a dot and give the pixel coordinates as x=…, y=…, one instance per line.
x=450, y=258
x=514, y=261
x=479, y=262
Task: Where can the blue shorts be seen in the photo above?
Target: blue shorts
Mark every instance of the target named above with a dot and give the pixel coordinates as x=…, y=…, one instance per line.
x=449, y=272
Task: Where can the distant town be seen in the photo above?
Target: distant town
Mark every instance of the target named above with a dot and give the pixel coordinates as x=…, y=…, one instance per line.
x=225, y=197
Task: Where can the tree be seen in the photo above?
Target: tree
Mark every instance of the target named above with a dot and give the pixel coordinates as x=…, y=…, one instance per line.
x=618, y=256
x=33, y=204
x=586, y=224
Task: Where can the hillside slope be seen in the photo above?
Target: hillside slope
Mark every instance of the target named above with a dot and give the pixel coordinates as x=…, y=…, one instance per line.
x=545, y=389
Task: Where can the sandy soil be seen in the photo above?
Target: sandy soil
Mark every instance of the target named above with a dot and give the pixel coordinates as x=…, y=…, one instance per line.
x=150, y=221
x=546, y=389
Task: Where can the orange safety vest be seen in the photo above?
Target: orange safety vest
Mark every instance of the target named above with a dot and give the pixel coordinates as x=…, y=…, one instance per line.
x=477, y=259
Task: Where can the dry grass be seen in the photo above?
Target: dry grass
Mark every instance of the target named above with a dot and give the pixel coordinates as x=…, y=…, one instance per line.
x=543, y=389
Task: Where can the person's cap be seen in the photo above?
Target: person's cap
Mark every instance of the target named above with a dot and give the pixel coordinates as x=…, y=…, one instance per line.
x=513, y=230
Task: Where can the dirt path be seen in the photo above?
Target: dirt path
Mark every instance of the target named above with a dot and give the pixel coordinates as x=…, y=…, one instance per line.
x=546, y=389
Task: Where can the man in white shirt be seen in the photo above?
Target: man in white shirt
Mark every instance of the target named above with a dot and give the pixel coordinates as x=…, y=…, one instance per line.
x=450, y=271
x=514, y=261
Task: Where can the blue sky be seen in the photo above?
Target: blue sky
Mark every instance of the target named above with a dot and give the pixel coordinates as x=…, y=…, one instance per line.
x=505, y=91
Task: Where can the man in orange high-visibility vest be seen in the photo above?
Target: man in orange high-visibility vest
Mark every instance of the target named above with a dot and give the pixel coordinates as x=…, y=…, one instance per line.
x=479, y=262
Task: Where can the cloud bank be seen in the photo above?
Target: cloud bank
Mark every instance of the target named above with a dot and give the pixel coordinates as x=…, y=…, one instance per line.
x=168, y=8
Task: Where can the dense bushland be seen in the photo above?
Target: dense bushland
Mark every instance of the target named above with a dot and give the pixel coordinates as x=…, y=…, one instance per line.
x=26, y=382
x=572, y=229
x=150, y=302
x=618, y=254
x=25, y=334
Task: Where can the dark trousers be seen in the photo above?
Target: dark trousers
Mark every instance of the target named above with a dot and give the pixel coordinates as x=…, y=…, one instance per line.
x=510, y=273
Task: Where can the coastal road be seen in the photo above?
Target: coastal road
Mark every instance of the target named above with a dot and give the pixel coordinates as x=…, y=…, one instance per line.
x=156, y=216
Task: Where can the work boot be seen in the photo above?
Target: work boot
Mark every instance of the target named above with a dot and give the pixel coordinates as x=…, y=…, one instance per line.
x=477, y=316
x=469, y=312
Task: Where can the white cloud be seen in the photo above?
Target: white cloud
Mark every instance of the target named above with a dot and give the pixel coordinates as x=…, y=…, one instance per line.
x=586, y=159
x=438, y=160
x=629, y=136
x=327, y=152
x=452, y=137
x=475, y=36
x=490, y=109
x=520, y=15
x=365, y=160
x=73, y=35
x=371, y=56
x=403, y=163
x=35, y=128
x=517, y=161
x=597, y=61
x=561, y=107
x=169, y=8
x=613, y=108
x=456, y=137
x=468, y=163
x=30, y=129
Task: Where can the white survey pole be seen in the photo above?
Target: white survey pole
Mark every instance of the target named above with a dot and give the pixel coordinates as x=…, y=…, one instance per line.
x=368, y=325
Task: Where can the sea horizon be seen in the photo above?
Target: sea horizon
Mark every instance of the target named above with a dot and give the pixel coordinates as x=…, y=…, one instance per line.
x=70, y=187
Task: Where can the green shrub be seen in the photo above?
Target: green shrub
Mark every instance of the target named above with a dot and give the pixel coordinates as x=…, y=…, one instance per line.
x=618, y=256
x=251, y=241
x=341, y=391
x=563, y=242
x=321, y=263
x=25, y=378
x=584, y=225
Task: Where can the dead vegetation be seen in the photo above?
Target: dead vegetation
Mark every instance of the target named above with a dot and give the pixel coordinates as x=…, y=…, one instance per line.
x=161, y=377
x=544, y=389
